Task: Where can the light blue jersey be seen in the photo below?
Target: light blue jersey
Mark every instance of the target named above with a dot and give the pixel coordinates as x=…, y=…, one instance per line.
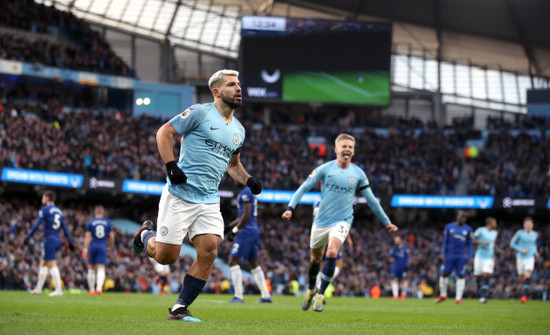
x=207, y=145
x=523, y=240
x=338, y=188
x=316, y=206
x=483, y=234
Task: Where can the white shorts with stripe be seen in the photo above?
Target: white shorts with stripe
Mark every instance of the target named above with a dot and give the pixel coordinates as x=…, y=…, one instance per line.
x=321, y=235
x=178, y=218
x=525, y=264
x=482, y=266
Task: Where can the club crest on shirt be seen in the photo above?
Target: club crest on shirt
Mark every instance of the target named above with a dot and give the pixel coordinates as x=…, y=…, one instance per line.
x=351, y=180
x=163, y=230
x=185, y=114
x=236, y=139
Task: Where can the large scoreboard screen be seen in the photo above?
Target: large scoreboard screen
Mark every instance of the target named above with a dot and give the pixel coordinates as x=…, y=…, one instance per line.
x=304, y=60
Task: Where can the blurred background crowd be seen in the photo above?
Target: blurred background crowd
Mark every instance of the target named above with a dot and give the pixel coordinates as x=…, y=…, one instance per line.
x=399, y=156
x=284, y=255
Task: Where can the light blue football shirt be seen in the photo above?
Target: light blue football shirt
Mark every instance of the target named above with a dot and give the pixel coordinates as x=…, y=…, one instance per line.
x=206, y=148
x=316, y=206
x=483, y=234
x=521, y=240
x=338, y=188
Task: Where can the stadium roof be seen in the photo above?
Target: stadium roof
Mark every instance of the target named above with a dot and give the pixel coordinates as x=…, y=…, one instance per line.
x=518, y=28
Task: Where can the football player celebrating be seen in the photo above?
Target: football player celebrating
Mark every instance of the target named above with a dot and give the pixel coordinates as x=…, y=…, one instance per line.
x=190, y=202
x=340, y=179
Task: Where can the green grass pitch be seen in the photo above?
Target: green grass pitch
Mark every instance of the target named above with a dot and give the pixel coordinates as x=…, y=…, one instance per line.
x=370, y=87
x=119, y=313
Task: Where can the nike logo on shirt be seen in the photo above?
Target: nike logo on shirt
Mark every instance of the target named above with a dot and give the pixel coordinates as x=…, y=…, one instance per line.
x=212, y=128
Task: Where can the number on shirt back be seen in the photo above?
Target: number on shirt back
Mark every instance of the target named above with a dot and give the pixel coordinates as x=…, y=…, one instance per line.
x=57, y=221
x=99, y=231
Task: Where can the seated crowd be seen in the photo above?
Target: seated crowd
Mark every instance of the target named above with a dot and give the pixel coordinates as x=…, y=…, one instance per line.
x=515, y=166
x=83, y=48
x=406, y=158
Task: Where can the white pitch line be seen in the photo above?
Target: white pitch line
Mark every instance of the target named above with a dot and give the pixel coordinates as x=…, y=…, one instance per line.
x=353, y=88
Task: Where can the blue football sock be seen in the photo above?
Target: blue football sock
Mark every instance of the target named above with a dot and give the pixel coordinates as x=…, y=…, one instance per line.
x=485, y=287
x=478, y=287
x=526, y=286
x=190, y=290
x=146, y=236
x=326, y=275
x=312, y=274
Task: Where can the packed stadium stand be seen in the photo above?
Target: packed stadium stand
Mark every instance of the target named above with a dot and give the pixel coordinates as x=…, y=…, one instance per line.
x=45, y=36
x=48, y=125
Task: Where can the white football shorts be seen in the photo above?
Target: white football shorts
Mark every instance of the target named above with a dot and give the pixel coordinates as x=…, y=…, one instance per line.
x=178, y=218
x=321, y=235
x=525, y=264
x=483, y=266
x=162, y=268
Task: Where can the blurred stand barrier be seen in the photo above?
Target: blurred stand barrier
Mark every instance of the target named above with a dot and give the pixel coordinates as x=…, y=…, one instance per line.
x=129, y=186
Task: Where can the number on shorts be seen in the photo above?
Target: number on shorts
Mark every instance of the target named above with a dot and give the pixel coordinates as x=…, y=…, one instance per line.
x=235, y=248
x=342, y=229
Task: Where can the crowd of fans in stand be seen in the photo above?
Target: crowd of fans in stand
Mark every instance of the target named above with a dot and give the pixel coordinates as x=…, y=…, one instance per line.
x=396, y=160
x=407, y=157
x=513, y=164
x=96, y=143
x=284, y=256
x=85, y=49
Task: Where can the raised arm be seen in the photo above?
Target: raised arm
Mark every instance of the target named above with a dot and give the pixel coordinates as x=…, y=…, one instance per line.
x=236, y=170
x=165, y=142
x=165, y=145
x=306, y=186
x=377, y=209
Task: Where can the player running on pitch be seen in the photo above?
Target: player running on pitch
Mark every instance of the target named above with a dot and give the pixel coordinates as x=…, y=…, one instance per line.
x=190, y=202
x=484, y=260
x=524, y=242
x=340, y=180
x=456, y=253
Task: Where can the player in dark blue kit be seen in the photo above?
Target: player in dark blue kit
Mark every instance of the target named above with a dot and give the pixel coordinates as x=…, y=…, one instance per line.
x=457, y=252
x=400, y=257
x=51, y=217
x=99, y=233
x=246, y=246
